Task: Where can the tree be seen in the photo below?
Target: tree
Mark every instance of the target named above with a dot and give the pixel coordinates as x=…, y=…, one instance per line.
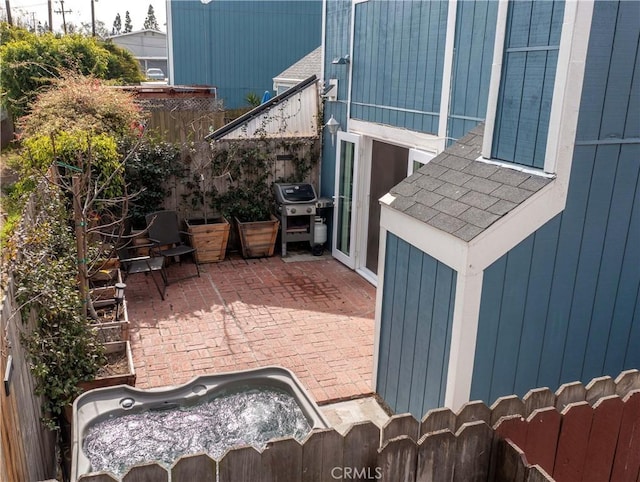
x=117, y=24
x=30, y=62
x=150, y=22
x=128, y=27
x=77, y=125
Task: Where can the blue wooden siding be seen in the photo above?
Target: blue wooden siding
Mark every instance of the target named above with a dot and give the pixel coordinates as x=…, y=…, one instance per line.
x=415, y=330
x=337, y=31
x=397, y=65
x=564, y=304
x=472, y=59
x=239, y=46
x=529, y=65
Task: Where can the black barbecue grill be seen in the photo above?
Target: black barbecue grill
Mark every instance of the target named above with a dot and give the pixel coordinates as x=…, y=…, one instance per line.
x=296, y=210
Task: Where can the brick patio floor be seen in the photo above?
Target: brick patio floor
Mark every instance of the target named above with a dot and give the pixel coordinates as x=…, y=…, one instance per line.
x=312, y=317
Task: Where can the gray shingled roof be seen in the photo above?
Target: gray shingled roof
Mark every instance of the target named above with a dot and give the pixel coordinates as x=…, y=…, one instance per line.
x=460, y=195
x=309, y=65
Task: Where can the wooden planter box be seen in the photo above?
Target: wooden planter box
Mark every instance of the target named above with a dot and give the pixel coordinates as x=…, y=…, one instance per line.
x=210, y=239
x=121, y=349
x=110, y=329
x=258, y=238
x=108, y=273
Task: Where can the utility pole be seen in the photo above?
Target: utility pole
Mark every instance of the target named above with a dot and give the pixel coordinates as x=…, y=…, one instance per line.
x=63, y=11
x=50, y=6
x=8, y=6
x=93, y=19
x=33, y=21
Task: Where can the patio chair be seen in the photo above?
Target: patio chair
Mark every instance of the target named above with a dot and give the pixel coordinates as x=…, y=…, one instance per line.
x=132, y=263
x=163, y=231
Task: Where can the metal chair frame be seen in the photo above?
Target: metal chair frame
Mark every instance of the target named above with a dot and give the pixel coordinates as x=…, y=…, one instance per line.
x=163, y=230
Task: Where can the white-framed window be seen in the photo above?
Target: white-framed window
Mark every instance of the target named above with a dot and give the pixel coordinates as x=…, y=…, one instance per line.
x=417, y=159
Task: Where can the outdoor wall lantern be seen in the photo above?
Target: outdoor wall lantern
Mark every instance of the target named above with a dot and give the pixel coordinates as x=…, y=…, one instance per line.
x=8, y=373
x=119, y=298
x=345, y=59
x=333, y=125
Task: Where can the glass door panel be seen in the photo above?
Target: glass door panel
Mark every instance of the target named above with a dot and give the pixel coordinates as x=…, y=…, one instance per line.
x=345, y=198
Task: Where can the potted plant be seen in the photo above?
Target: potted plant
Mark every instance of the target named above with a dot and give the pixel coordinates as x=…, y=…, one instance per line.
x=208, y=234
x=248, y=198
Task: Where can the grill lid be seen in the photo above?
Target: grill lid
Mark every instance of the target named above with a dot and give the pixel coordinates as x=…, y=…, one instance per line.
x=294, y=193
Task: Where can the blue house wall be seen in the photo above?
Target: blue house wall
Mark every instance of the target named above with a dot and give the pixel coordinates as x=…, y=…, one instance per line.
x=528, y=74
x=239, y=46
x=397, y=66
x=398, y=57
x=336, y=45
x=564, y=304
x=473, y=43
x=415, y=331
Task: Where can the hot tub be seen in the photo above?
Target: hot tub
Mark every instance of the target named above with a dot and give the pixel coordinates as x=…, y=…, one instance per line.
x=113, y=404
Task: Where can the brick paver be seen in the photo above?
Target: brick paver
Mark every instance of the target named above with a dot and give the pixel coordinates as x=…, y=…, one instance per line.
x=312, y=317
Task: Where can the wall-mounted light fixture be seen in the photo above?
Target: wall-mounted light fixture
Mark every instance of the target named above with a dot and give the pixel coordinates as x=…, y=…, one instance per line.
x=8, y=373
x=333, y=125
x=345, y=59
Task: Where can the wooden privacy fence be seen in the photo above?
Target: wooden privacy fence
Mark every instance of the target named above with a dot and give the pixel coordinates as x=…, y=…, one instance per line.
x=579, y=433
x=27, y=448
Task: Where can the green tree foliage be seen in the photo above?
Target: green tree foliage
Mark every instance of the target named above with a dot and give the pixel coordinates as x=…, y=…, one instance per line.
x=252, y=99
x=151, y=22
x=84, y=104
x=79, y=123
x=148, y=172
x=30, y=62
x=63, y=349
x=117, y=25
x=122, y=65
x=128, y=26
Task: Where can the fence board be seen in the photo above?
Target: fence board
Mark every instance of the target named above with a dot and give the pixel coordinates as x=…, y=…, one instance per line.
x=361, y=444
x=396, y=461
x=399, y=425
x=542, y=437
x=198, y=467
x=242, y=463
x=27, y=447
x=473, y=452
x=510, y=465
x=438, y=419
x=514, y=428
x=321, y=452
x=626, y=466
x=282, y=461
x=538, y=398
x=536, y=473
x=599, y=388
x=473, y=412
x=436, y=457
x=570, y=393
x=504, y=407
x=146, y=473
x=627, y=381
x=607, y=414
x=572, y=443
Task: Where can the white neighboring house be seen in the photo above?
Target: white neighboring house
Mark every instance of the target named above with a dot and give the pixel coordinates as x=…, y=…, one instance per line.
x=148, y=46
x=310, y=64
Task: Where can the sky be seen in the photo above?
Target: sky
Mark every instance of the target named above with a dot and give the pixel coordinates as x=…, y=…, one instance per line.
x=105, y=11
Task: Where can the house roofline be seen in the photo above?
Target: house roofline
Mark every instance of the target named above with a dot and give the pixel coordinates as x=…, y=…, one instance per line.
x=260, y=109
x=111, y=37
